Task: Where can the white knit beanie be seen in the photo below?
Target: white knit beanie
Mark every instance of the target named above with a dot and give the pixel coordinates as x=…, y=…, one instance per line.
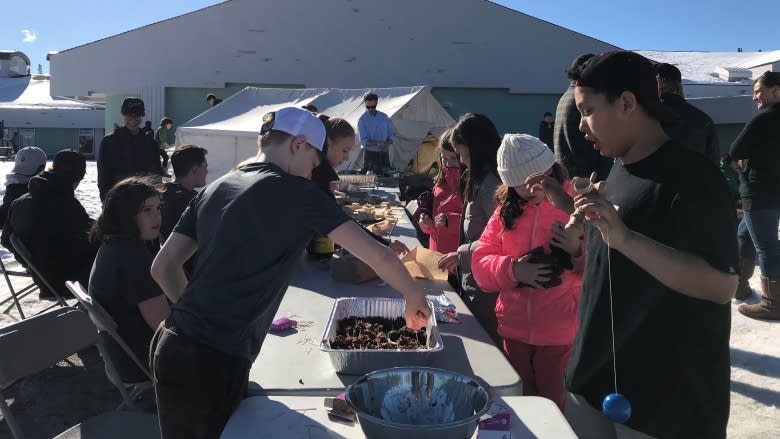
x=520, y=156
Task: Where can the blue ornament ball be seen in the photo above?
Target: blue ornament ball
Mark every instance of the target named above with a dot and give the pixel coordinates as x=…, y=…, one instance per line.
x=616, y=407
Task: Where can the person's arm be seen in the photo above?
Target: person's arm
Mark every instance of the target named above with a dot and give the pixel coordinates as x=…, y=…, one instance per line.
x=490, y=265
x=713, y=144
x=154, y=311
x=388, y=267
x=8, y=230
x=104, y=170
x=680, y=271
x=168, y=266
x=363, y=131
x=750, y=136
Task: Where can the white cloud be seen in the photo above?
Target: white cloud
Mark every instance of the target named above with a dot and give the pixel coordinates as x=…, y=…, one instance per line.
x=29, y=36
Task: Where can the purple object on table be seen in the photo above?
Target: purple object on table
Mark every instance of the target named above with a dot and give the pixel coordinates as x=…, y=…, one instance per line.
x=282, y=324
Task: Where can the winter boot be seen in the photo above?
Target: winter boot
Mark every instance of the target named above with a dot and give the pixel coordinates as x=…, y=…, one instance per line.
x=769, y=307
x=746, y=269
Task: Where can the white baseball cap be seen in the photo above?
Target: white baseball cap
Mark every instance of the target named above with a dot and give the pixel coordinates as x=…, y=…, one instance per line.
x=296, y=122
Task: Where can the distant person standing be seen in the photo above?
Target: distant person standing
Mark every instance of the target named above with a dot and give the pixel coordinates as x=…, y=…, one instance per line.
x=376, y=136
x=546, y=130
x=161, y=137
x=127, y=151
x=694, y=129
x=758, y=148
x=571, y=148
x=147, y=129
x=15, y=141
x=212, y=100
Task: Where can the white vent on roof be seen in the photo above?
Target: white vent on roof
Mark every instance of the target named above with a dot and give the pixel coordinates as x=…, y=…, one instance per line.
x=733, y=74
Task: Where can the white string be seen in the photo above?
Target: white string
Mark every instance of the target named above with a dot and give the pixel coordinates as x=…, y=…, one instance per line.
x=611, y=313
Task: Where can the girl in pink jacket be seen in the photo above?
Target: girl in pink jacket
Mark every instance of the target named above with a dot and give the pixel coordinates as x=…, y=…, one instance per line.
x=525, y=255
x=443, y=225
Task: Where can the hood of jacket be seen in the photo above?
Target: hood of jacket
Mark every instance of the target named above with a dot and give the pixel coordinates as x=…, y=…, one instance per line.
x=49, y=184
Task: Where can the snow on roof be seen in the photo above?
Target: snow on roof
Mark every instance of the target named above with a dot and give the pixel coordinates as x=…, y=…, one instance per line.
x=699, y=67
x=33, y=92
x=762, y=58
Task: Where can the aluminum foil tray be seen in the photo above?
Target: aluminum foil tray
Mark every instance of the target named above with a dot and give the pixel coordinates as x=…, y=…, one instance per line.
x=362, y=361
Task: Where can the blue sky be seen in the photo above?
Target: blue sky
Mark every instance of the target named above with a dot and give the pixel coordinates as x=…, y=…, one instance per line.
x=36, y=27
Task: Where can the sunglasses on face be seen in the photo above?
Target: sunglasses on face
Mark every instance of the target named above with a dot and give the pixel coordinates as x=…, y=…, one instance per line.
x=370, y=107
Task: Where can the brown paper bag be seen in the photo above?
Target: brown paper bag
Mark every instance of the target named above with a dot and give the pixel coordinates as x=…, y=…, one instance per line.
x=423, y=264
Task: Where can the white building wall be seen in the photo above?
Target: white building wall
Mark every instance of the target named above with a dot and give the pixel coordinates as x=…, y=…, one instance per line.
x=333, y=43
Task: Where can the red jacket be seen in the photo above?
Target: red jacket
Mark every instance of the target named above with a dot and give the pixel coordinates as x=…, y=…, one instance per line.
x=446, y=200
x=544, y=317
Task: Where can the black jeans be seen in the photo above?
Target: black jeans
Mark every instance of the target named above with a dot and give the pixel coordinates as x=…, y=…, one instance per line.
x=197, y=387
x=164, y=156
x=375, y=161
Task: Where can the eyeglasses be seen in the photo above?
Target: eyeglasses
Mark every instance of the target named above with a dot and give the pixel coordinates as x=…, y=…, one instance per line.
x=370, y=107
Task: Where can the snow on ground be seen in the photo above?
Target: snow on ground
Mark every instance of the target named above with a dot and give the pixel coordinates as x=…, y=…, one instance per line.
x=755, y=371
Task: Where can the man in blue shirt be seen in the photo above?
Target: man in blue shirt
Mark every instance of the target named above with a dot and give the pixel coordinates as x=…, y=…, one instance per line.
x=376, y=136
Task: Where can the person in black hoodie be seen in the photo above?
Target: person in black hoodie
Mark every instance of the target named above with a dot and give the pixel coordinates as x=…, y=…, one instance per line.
x=28, y=163
x=127, y=151
x=53, y=224
x=693, y=129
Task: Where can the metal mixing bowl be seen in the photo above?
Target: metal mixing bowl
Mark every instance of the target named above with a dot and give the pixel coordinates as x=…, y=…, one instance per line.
x=417, y=403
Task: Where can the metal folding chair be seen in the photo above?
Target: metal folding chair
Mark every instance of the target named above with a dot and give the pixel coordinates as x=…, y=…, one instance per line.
x=105, y=323
x=35, y=343
x=24, y=253
x=16, y=296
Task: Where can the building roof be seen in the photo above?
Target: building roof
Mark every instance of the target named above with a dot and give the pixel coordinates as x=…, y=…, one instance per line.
x=26, y=101
x=7, y=54
x=699, y=67
x=442, y=43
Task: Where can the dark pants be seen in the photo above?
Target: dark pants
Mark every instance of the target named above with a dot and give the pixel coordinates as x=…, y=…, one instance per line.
x=197, y=387
x=375, y=161
x=164, y=156
x=762, y=225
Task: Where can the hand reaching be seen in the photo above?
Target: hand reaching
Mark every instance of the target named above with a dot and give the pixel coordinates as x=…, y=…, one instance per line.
x=399, y=247
x=416, y=311
x=449, y=262
x=530, y=274
x=553, y=191
x=426, y=221
x=566, y=241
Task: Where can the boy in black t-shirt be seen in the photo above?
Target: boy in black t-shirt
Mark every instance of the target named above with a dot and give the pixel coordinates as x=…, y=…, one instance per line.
x=665, y=230
x=250, y=228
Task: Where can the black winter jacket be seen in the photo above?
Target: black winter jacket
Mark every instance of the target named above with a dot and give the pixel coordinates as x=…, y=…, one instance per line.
x=123, y=154
x=695, y=129
x=54, y=226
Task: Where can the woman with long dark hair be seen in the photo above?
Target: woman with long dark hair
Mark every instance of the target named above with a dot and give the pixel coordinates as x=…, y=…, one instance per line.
x=121, y=281
x=758, y=147
x=476, y=141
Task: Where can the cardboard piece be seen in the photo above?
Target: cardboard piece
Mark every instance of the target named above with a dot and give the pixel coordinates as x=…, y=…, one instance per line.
x=423, y=264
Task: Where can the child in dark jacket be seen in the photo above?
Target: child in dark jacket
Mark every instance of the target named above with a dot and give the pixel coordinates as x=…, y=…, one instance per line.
x=522, y=254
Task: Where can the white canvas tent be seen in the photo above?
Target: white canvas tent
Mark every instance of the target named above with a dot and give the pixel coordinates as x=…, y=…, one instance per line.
x=229, y=130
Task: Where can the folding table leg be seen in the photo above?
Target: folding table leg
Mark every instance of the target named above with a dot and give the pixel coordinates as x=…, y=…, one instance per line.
x=16, y=432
